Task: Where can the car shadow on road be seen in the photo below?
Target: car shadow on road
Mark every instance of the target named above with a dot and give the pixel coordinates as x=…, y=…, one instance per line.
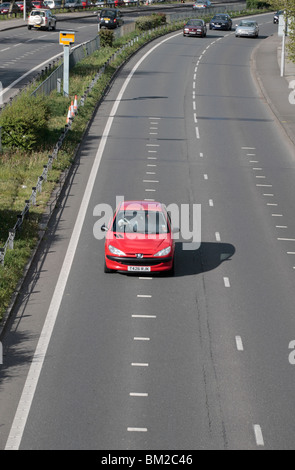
x=207, y=257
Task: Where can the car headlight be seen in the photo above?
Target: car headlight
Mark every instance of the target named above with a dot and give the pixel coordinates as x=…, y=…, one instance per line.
x=163, y=252
x=115, y=251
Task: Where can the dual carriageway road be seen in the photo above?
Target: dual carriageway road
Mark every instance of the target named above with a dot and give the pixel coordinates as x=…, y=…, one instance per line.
x=197, y=361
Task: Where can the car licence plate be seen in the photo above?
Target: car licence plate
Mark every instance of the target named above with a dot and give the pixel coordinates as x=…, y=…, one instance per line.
x=146, y=269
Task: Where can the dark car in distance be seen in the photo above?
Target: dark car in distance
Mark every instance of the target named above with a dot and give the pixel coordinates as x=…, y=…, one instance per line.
x=221, y=21
x=195, y=27
x=110, y=18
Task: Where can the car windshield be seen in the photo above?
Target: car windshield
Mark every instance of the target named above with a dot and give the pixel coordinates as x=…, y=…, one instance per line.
x=140, y=221
x=249, y=24
x=220, y=17
x=109, y=13
x=195, y=23
x=37, y=13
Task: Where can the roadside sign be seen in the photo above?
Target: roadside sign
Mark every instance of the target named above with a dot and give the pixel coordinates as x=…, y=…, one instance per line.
x=66, y=38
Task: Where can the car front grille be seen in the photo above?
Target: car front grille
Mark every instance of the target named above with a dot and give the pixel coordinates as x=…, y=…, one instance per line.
x=145, y=261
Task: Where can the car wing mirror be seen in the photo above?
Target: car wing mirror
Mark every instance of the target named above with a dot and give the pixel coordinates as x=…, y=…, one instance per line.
x=104, y=228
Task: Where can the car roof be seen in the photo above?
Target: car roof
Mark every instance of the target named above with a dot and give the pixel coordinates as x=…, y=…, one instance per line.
x=145, y=205
x=108, y=10
x=246, y=22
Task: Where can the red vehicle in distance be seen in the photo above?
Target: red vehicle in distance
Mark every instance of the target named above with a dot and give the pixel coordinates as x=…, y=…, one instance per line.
x=38, y=4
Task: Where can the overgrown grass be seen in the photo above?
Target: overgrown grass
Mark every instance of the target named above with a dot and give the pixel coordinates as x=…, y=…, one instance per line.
x=19, y=170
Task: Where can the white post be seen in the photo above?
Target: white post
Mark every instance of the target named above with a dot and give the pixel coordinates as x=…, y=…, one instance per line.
x=283, y=55
x=283, y=31
x=25, y=10
x=66, y=70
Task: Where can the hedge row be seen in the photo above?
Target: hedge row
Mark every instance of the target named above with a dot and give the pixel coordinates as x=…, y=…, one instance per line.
x=257, y=4
x=145, y=23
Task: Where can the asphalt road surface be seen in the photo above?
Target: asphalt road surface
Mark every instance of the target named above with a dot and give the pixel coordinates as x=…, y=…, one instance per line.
x=197, y=361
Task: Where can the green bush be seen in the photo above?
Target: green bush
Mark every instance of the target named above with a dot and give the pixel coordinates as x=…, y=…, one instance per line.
x=257, y=4
x=145, y=23
x=24, y=124
x=106, y=38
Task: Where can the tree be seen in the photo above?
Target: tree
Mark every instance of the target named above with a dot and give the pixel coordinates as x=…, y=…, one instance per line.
x=12, y=7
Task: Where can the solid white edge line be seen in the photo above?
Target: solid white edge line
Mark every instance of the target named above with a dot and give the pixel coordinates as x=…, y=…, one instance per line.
x=22, y=412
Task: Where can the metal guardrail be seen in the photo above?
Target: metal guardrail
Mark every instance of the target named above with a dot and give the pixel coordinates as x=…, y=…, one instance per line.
x=206, y=12
x=33, y=198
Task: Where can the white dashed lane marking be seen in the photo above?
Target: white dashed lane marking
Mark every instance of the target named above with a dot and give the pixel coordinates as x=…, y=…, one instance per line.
x=137, y=429
x=239, y=343
x=226, y=282
x=258, y=435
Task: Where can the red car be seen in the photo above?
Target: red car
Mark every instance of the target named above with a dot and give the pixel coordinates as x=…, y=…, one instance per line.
x=139, y=239
x=86, y=3
x=195, y=27
x=38, y=4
